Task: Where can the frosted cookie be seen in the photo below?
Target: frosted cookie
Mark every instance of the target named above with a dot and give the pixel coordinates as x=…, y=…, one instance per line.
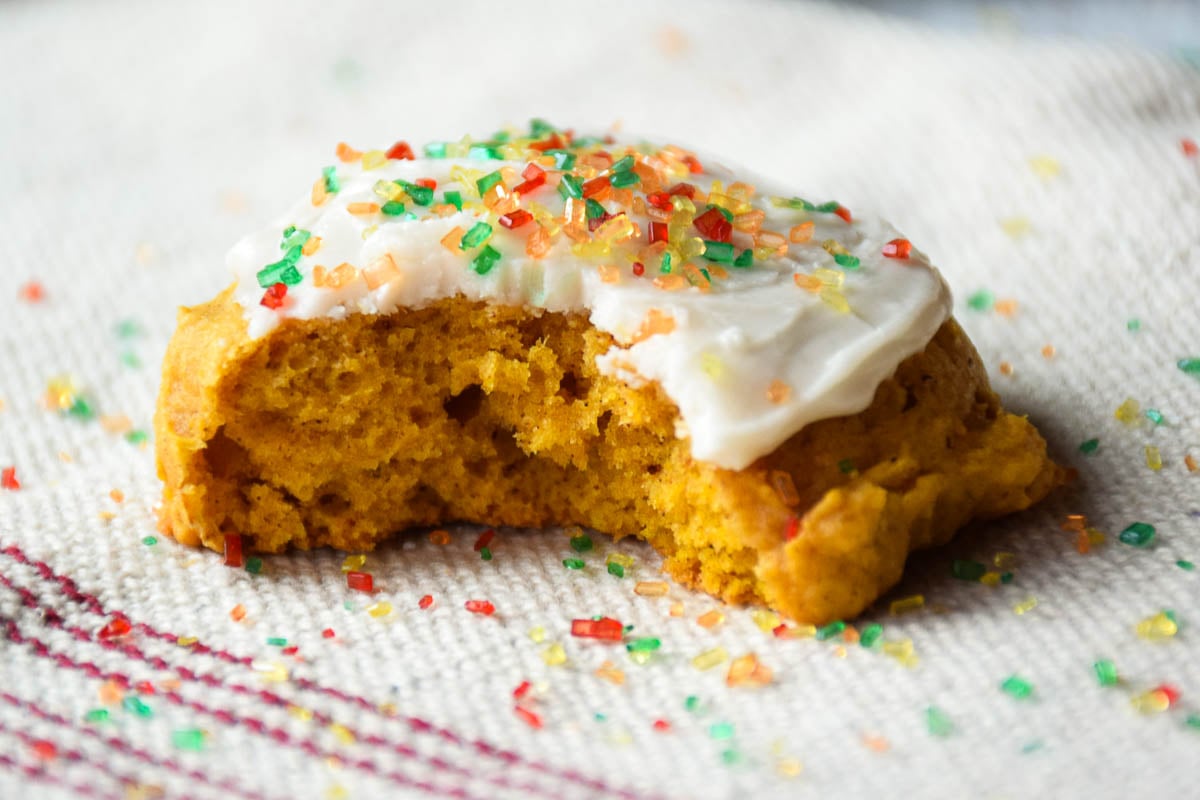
x=543, y=329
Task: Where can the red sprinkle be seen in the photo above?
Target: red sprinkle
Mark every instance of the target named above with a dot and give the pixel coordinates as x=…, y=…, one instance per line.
x=291, y=650
x=685, y=189
x=32, y=292
x=522, y=689
x=532, y=172
x=639, y=268
x=1189, y=147
x=844, y=213
x=595, y=186
x=660, y=200
x=713, y=225
x=552, y=142
x=693, y=164
x=115, y=628
x=530, y=718
x=44, y=750
x=662, y=726
x=328, y=633
x=606, y=629
x=144, y=687
x=792, y=529
x=233, y=550
x=425, y=602
x=273, y=296
x=1170, y=691
x=658, y=232
x=481, y=607
x=780, y=630
x=8, y=478
x=484, y=539
x=428, y=183
x=361, y=581
x=401, y=152
x=897, y=248
x=515, y=219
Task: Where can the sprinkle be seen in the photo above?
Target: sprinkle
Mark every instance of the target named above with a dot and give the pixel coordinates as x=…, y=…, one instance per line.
x=115, y=629
x=274, y=296
x=870, y=635
x=439, y=537
x=906, y=604
x=983, y=300
x=1189, y=147
x=573, y=563
x=610, y=672
x=1016, y=687
x=8, y=479
x=97, y=716
x=898, y=248
x=1191, y=366
x=1185, y=565
x=1006, y=368
x=360, y=581
x=1016, y=227
x=748, y=671
x=1089, y=447
x=31, y=292
x=237, y=613
x=277, y=641
x=1153, y=458
x=487, y=258
x=710, y=658
x=619, y=559
x=604, y=629
x=1151, y=701
x=1189, y=461
x=380, y=609
x=937, y=722
x=831, y=630
x=720, y=730
x=1129, y=412
x=1106, y=672
x=530, y=718
x=1158, y=627
x=1138, y=534
x=149, y=541
x=967, y=570
x=650, y=588
x=1026, y=605
x=134, y=703
x=1045, y=167
x=400, y=151
x=554, y=655
x=480, y=607
x=616, y=570
x=581, y=544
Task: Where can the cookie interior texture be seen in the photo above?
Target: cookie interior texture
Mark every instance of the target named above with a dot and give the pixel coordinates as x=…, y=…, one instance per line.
x=343, y=433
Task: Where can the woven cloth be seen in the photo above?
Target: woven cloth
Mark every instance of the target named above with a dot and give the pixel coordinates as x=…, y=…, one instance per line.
x=139, y=140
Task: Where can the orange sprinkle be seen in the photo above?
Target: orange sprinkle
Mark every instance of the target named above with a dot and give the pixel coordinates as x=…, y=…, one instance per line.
x=117, y=495
x=750, y=222
x=359, y=209
x=1048, y=351
x=1074, y=522
x=801, y=233
x=710, y=619
x=237, y=613
x=850, y=635
x=452, y=241
x=656, y=322
x=346, y=153
x=808, y=283
x=111, y=693
x=1005, y=308
x=311, y=246
x=677, y=608
x=1190, y=462
x=670, y=283
x=650, y=588
x=748, y=671
x=1083, y=542
x=1006, y=368
x=770, y=240
x=494, y=195
x=319, y=194
x=538, y=243
x=439, y=537
x=382, y=270
x=443, y=210
x=609, y=273
x=876, y=743
x=339, y=277
x=116, y=424
x=610, y=672
x=778, y=392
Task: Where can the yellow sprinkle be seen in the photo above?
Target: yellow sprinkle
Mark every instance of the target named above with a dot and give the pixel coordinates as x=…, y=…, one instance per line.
x=789, y=767
x=625, y=561
x=906, y=604
x=107, y=516
x=271, y=672
x=1129, y=412
x=839, y=651
x=1095, y=537
x=1153, y=458
x=712, y=366
x=835, y=300
x=353, y=563
x=677, y=608
x=710, y=619
x=1157, y=627
x=1016, y=227
x=301, y=713
x=710, y=658
x=650, y=588
x=337, y=792
x=1045, y=167
x=1152, y=701
x=554, y=655
x=387, y=190
x=990, y=578
x=342, y=733
x=1028, y=604
x=765, y=620
x=186, y=641
x=380, y=609
x=538, y=634
x=373, y=159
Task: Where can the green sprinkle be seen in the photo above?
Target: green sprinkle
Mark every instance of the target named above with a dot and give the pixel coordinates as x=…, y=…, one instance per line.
x=1184, y=564
x=720, y=730
x=188, y=739
x=870, y=635
x=616, y=569
x=1193, y=721
x=454, y=199
x=666, y=264
x=1139, y=534
x=288, y=231
x=573, y=563
x=500, y=137
x=485, y=553
x=1089, y=447
x=130, y=359
x=1134, y=324
x=846, y=260
x=793, y=202
x=594, y=209
x=721, y=252
x=622, y=179
x=967, y=570
x=435, y=150
x=730, y=757
x=128, y=329
x=1190, y=365
x=479, y=233
x=845, y=466
x=581, y=544
x=538, y=128
x=829, y=208
x=570, y=187
x=830, y=630
x=134, y=703
x=563, y=159
x=421, y=195
x=484, y=152
x=150, y=541
x=1106, y=672
x=97, y=716
x=297, y=238
x=392, y=208
x=937, y=723
x=487, y=258
x=1006, y=577
x=488, y=181
x=137, y=437
x=983, y=300
x=746, y=258
x=254, y=565
x=643, y=645
x=1017, y=687
x=623, y=164
x=81, y=408
x=408, y=215
x=1155, y=416
x=331, y=181
x=691, y=702
x=277, y=641
x=1032, y=747
x=282, y=271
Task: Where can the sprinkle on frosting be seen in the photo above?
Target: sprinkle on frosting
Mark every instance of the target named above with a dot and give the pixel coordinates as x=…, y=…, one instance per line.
x=757, y=311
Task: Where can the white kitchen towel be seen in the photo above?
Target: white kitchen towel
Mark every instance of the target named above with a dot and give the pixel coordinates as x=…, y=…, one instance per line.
x=1052, y=183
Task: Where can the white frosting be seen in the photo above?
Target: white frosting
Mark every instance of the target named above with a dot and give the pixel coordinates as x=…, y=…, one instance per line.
x=728, y=346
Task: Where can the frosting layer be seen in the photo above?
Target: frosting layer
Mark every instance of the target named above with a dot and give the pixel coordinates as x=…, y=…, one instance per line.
x=756, y=312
